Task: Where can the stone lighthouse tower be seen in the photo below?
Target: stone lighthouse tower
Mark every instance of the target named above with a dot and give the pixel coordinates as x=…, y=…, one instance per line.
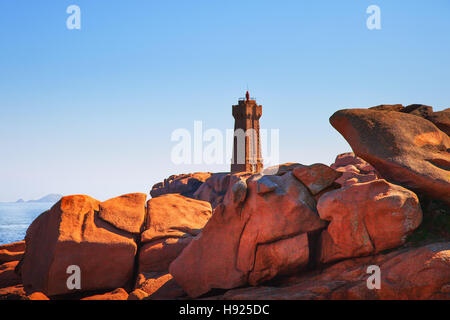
x=247, y=147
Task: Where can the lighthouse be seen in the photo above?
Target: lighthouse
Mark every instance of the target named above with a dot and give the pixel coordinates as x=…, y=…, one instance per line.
x=246, y=147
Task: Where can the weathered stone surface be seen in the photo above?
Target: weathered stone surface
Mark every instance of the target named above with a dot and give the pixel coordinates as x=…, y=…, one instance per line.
x=12, y=252
x=8, y=277
x=118, y=294
x=13, y=293
x=158, y=286
x=223, y=255
x=388, y=107
x=150, y=282
x=215, y=187
x=71, y=233
x=415, y=273
x=172, y=221
x=278, y=258
x=18, y=293
x=126, y=212
x=316, y=177
x=349, y=177
x=157, y=255
x=354, y=170
x=441, y=119
x=366, y=218
x=419, y=110
x=281, y=169
x=173, y=215
x=347, y=162
x=38, y=296
x=405, y=149
x=137, y=294
x=184, y=184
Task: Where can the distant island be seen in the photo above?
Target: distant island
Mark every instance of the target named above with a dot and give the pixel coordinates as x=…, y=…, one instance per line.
x=53, y=198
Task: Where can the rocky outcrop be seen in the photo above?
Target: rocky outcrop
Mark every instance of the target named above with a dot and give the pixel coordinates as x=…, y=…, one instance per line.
x=292, y=232
x=118, y=294
x=13, y=293
x=137, y=294
x=389, y=107
x=126, y=212
x=347, y=162
x=172, y=221
x=37, y=296
x=157, y=286
x=210, y=187
x=279, y=258
x=215, y=187
x=316, y=177
x=405, y=149
x=251, y=236
x=281, y=169
x=12, y=252
x=366, y=218
x=71, y=233
x=414, y=273
x=184, y=184
x=8, y=277
x=18, y=293
x=102, y=239
x=287, y=227
x=354, y=170
x=440, y=118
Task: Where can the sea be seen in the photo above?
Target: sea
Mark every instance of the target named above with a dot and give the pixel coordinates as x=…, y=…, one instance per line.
x=15, y=218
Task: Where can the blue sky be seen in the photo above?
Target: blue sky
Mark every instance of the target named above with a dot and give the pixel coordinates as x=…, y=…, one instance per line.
x=91, y=111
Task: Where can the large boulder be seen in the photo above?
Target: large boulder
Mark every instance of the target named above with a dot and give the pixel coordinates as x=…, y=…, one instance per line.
x=366, y=218
x=406, y=274
x=258, y=232
x=316, y=177
x=405, y=149
x=172, y=221
x=71, y=233
x=184, y=184
x=126, y=212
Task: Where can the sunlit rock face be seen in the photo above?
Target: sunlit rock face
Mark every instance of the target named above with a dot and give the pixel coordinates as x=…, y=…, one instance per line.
x=258, y=232
x=405, y=149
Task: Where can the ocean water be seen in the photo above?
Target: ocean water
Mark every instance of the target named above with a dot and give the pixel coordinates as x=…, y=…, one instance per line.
x=15, y=218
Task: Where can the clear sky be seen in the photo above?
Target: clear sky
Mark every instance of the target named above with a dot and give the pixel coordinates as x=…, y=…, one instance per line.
x=91, y=111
